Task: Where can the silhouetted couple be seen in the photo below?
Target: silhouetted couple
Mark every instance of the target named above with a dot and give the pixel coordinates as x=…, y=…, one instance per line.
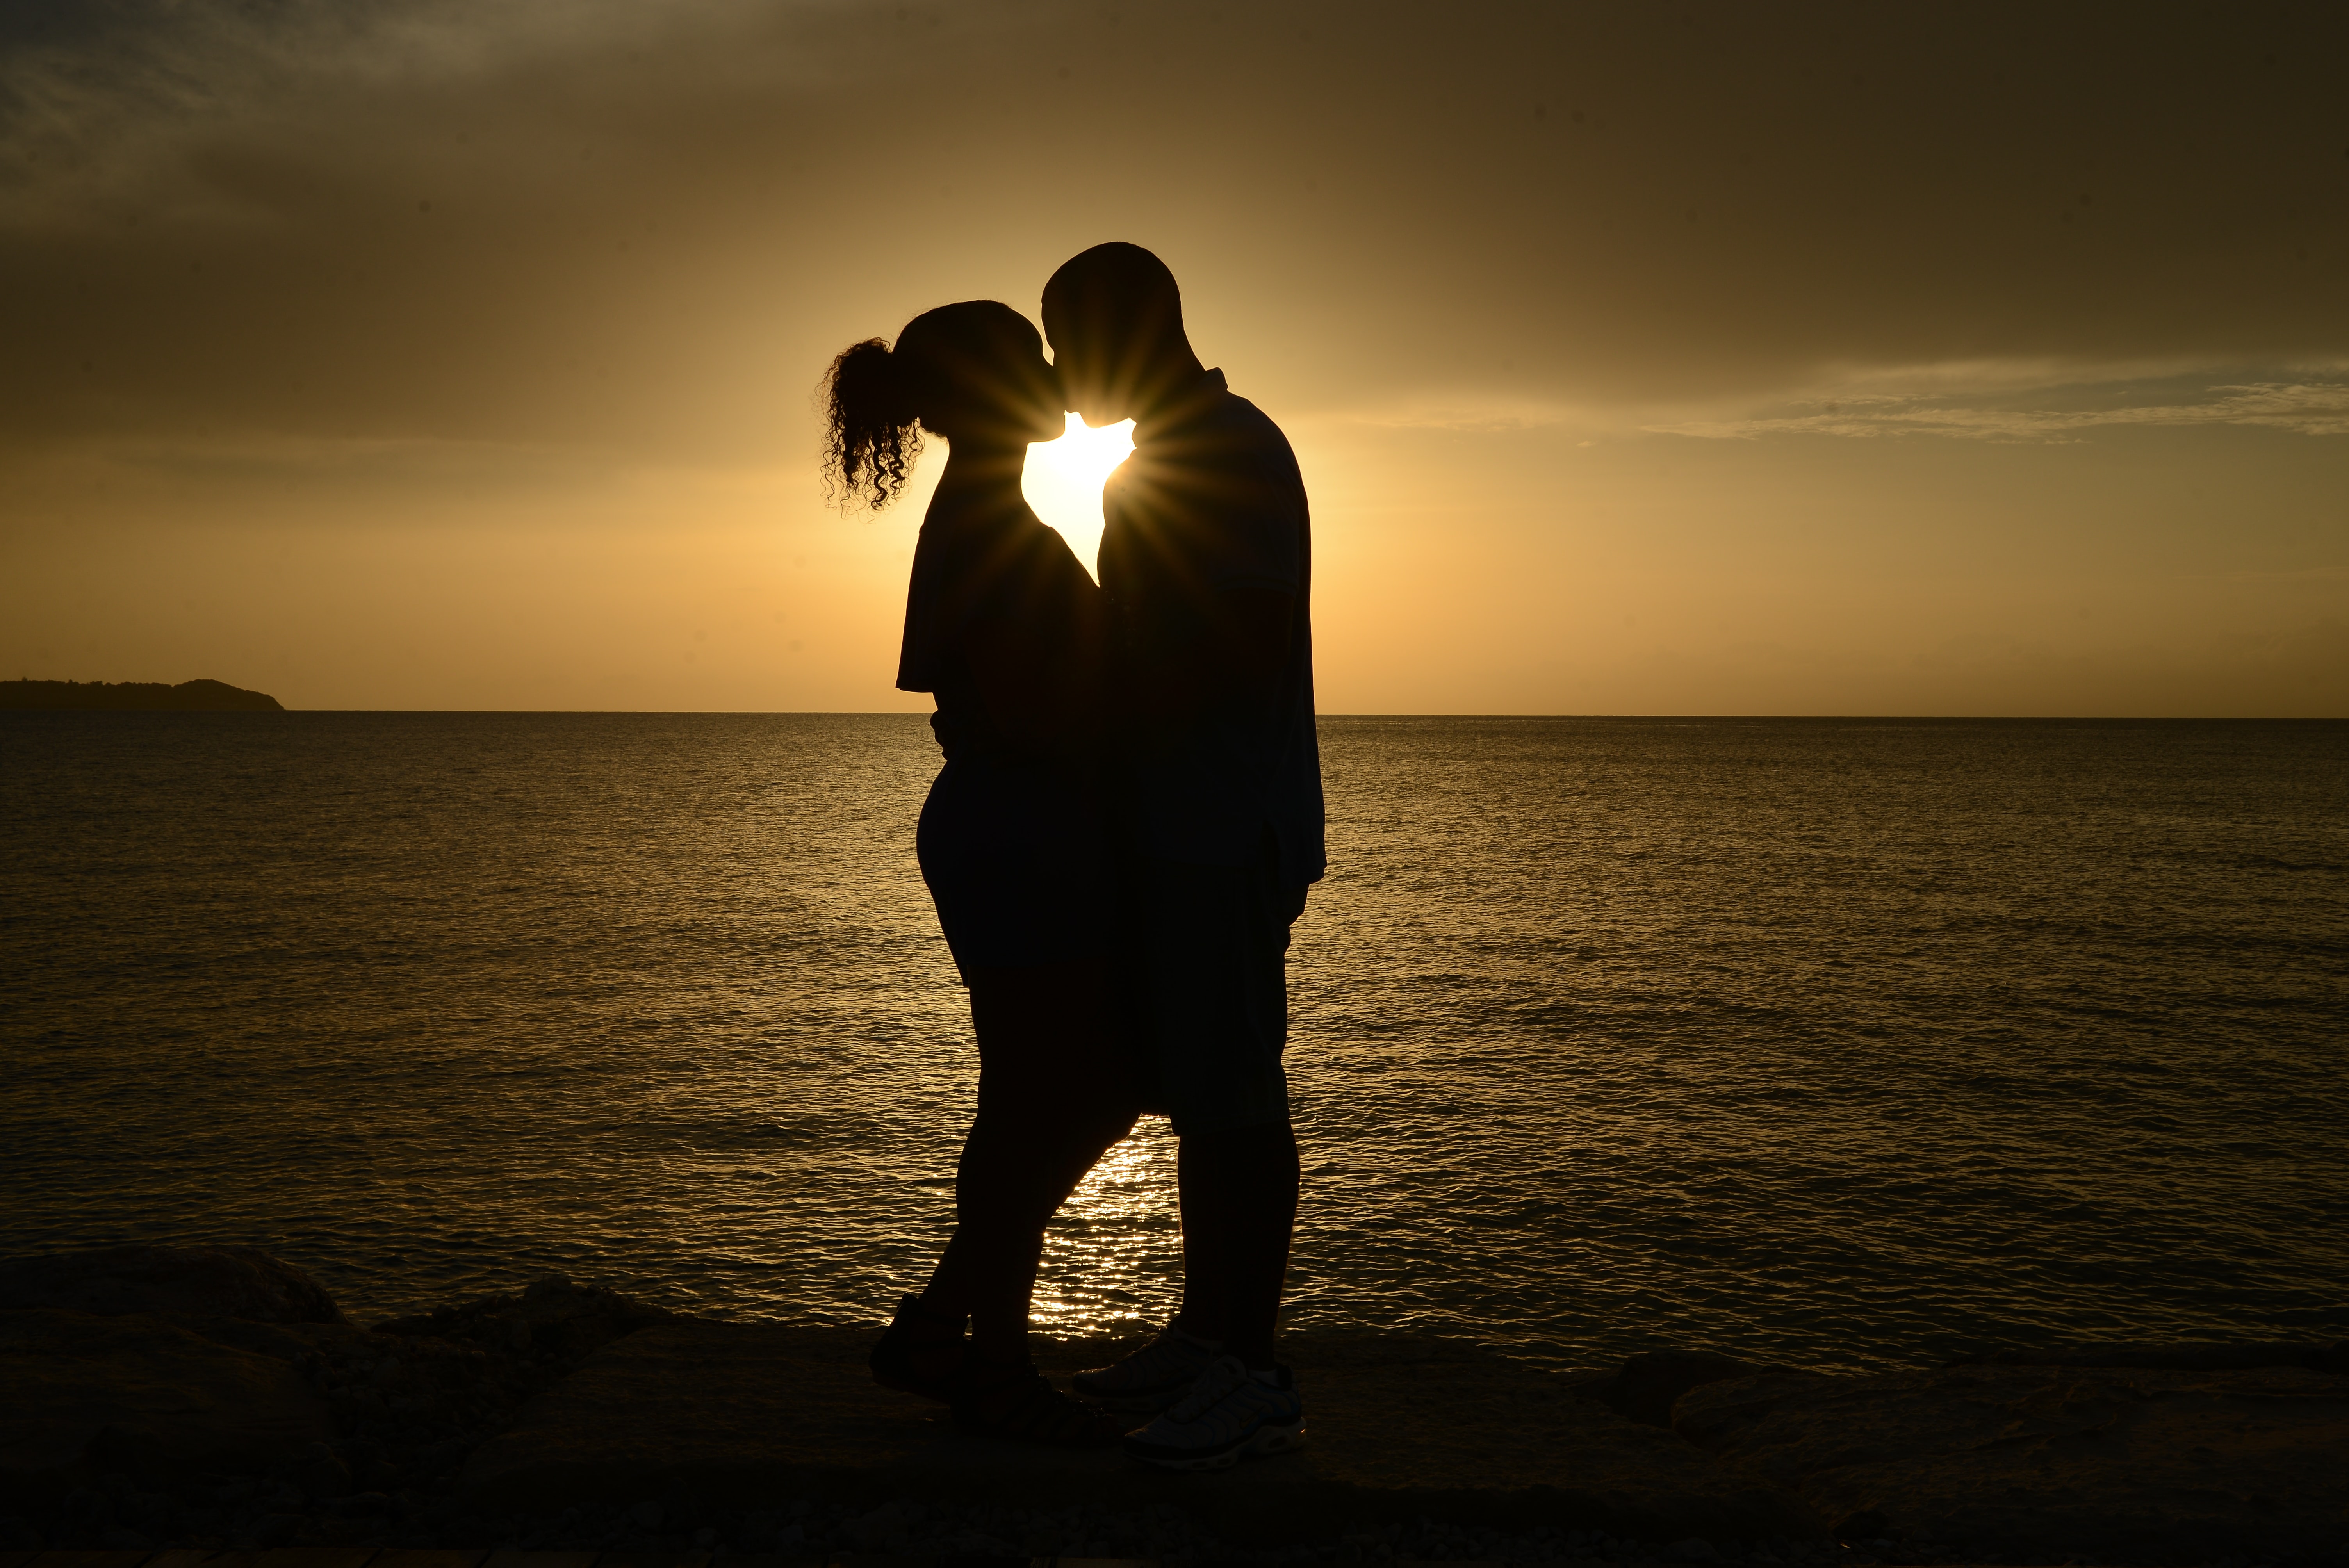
x=1127, y=820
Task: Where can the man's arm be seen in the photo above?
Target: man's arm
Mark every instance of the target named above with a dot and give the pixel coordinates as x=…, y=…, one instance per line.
x=1255, y=622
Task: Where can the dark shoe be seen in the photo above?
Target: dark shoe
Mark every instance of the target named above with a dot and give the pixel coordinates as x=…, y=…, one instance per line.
x=1015, y=1401
x=915, y=1355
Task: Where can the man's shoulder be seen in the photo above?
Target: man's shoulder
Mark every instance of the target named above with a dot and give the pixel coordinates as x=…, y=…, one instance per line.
x=1247, y=422
x=1239, y=443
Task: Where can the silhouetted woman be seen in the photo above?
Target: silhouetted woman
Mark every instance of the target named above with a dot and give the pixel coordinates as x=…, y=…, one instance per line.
x=1006, y=630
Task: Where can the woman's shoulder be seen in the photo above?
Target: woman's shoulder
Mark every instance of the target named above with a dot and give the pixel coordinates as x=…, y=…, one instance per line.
x=986, y=509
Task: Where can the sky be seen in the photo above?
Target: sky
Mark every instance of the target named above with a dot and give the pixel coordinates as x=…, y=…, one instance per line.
x=1641, y=358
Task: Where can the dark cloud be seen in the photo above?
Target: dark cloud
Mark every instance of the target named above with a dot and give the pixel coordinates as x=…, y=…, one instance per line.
x=2308, y=408
x=622, y=226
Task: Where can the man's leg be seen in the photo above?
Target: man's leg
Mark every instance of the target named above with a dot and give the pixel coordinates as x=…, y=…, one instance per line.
x=1237, y=1169
x=1213, y=989
x=1239, y=1205
x=1238, y=1196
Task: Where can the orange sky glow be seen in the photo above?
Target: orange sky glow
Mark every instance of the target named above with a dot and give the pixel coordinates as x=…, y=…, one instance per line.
x=1692, y=359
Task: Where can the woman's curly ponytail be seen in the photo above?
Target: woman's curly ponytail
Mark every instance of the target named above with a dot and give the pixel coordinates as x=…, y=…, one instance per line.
x=873, y=432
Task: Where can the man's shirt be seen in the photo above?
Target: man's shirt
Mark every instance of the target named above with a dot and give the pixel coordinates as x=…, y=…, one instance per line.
x=1211, y=501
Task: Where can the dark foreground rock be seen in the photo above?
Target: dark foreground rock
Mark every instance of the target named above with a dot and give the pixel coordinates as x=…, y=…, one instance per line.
x=573, y=1417
x=713, y=1414
x=207, y=1282
x=137, y=1394
x=2332, y=1357
x=197, y=1427
x=1648, y=1386
x=2128, y=1464
x=553, y=1317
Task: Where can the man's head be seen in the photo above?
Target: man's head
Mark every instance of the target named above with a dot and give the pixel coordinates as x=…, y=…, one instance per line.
x=1114, y=319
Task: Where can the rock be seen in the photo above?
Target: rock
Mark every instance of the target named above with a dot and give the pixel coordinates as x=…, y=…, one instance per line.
x=2332, y=1357
x=209, y=1282
x=711, y=1414
x=190, y=1402
x=273, y=1528
x=1648, y=1384
x=553, y=1316
x=141, y=1396
x=327, y=1477
x=886, y=1529
x=2144, y=1466
x=1868, y=1524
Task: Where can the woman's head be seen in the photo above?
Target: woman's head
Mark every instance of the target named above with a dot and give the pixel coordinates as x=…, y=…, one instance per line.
x=973, y=372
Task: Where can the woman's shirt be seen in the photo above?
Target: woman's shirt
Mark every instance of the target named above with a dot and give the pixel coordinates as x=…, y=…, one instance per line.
x=980, y=560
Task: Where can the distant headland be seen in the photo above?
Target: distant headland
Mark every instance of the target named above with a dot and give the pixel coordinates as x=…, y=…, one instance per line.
x=134, y=696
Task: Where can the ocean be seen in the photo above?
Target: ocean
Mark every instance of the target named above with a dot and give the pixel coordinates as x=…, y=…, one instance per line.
x=1842, y=1044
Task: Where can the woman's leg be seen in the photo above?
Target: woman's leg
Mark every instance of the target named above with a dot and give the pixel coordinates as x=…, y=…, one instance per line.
x=1054, y=1093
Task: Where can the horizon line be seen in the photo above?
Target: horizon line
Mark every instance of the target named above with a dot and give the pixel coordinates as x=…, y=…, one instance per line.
x=1582, y=717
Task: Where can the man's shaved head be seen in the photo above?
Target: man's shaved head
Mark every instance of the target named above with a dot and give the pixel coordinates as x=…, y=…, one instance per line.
x=1114, y=317
x=1119, y=286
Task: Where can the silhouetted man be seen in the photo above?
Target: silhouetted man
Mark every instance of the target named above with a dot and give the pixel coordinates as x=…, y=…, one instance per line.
x=1206, y=554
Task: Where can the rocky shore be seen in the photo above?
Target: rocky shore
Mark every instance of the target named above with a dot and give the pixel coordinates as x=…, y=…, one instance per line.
x=154, y=1398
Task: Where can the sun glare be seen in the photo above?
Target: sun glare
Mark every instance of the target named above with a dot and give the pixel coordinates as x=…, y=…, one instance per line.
x=1063, y=481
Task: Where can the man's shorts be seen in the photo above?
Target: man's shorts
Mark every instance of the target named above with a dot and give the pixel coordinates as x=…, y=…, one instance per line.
x=1211, y=985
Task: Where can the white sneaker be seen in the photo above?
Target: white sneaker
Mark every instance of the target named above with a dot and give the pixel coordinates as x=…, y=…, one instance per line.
x=1230, y=1412
x=1153, y=1377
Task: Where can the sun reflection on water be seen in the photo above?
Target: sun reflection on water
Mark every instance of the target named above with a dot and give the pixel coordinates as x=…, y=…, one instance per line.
x=1114, y=1255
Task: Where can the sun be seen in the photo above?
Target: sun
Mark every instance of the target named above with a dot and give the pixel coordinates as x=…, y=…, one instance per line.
x=1063, y=481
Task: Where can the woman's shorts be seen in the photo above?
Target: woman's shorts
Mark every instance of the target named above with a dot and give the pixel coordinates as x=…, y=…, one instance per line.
x=1018, y=866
